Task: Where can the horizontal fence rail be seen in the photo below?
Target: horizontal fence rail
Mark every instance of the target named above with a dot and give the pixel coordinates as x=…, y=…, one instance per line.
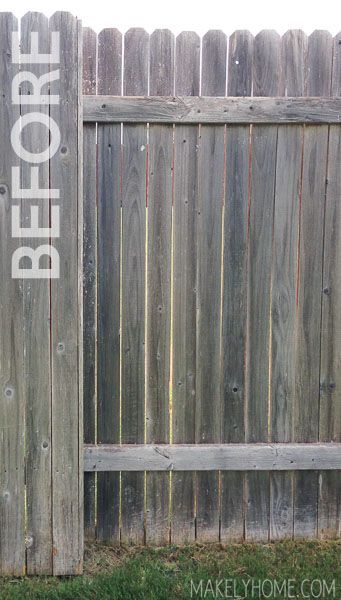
x=187, y=110
x=212, y=457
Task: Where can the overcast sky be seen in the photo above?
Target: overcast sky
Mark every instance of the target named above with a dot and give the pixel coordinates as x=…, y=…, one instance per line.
x=198, y=15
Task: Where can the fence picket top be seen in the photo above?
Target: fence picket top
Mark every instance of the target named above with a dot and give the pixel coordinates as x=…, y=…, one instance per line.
x=187, y=72
x=294, y=50
x=239, y=79
x=136, y=62
x=266, y=63
x=109, y=70
x=89, y=61
x=319, y=63
x=336, y=78
x=214, y=52
x=162, y=62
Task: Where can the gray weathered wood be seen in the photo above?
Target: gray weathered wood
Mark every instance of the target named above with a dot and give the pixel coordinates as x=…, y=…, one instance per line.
x=294, y=48
x=187, y=75
x=266, y=81
x=329, y=504
x=160, y=188
x=187, y=110
x=319, y=61
x=234, y=309
x=211, y=174
x=12, y=429
x=109, y=256
x=134, y=160
x=284, y=283
x=37, y=335
x=212, y=457
x=67, y=424
x=90, y=276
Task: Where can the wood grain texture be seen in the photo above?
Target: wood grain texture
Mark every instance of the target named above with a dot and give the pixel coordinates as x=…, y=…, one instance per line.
x=318, y=78
x=160, y=191
x=65, y=306
x=187, y=74
x=37, y=335
x=211, y=457
x=195, y=110
x=136, y=61
x=90, y=276
x=109, y=283
x=266, y=82
x=234, y=309
x=209, y=259
x=329, y=503
x=284, y=283
x=12, y=508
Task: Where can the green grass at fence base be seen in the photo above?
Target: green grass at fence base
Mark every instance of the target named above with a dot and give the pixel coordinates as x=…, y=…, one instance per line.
x=166, y=573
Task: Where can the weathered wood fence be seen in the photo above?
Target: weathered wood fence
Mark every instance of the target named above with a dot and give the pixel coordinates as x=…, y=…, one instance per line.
x=211, y=334
x=41, y=484
x=212, y=286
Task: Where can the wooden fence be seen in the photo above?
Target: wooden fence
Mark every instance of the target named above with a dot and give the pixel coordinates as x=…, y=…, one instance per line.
x=212, y=257
x=41, y=493
x=207, y=274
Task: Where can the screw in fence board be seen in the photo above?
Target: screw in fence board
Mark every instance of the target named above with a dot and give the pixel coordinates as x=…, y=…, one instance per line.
x=160, y=177
x=187, y=80
x=284, y=282
x=90, y=276
x=134, y=160
x=318, y=82
x=234, y=297
x=329, y=504
x=211, y=152
x=66, y=303
x=109, y=284
x=12, y=509
x=266, y=82
x=37, y=333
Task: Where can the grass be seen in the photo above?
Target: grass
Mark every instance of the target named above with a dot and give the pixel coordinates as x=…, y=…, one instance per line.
x=166, y=573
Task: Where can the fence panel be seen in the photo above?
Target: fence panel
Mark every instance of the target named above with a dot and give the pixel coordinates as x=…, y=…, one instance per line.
x=220, y=306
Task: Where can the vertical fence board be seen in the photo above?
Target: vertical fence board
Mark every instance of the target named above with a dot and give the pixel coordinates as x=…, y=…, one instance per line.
x=329, y=504
x=284, y=284
x=319, y=60
x=109, y=257
x=234, y=309
x=159, y=284
x=136, y=55
x=66, y=461
x=187, y=74
x=90, y=277
x=209, y=258
x=37, y=334
x=12, y=546
x=266, y=82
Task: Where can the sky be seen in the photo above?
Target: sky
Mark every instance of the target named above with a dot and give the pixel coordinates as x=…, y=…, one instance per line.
x=197, y=15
